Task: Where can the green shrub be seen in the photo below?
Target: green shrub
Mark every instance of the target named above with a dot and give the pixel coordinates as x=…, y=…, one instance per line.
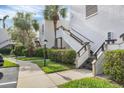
x=25, y=52
x=39, y=52
x=5, y=51
x=18, y=50
x=55, y=55
x=69, y=56
x=114, y=65
x=62, y=55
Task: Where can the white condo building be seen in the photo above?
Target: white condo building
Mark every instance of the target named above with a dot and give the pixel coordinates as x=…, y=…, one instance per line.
x=91, y=30
x=5, y=38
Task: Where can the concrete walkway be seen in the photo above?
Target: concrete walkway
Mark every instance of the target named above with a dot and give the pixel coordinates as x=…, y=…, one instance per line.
x=31, y=76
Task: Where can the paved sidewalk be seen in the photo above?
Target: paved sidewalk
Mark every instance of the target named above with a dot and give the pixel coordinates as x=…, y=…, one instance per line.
x=66, y=76
x=31, y=76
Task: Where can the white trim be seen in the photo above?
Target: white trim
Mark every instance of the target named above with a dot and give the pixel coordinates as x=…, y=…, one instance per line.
x=87, y=17
x=8, y=83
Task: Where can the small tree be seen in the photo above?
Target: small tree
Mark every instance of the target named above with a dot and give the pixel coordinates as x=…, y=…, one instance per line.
x=53, y=13
x=24, y=26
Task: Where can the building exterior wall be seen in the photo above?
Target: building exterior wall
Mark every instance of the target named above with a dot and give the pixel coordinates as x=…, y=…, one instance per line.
x=47, y=32
x=5, y=38
x=108, y=19
x=4, y=35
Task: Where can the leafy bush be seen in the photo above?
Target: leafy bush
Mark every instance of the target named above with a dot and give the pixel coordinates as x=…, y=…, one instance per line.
x=62, y=55
x=114, y=65
x=18, y=50
x=5, y=51
x=22, y=51
x=39, y=52
x=25, y=52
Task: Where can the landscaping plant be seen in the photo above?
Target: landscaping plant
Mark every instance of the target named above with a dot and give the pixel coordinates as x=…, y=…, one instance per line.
x=5, y=51
x=24, y=30
x=114, y=65
x=66, y=56
x=90, y=83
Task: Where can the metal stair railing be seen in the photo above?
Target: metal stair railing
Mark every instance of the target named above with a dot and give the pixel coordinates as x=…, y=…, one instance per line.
x=77, y=39
x=5, y=41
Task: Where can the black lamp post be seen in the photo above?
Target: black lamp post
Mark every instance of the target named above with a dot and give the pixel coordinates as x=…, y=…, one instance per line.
x=45, y=51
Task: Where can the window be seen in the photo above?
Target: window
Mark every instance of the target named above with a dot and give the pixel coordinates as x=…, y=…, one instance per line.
x=109, y=35
x=91, y=10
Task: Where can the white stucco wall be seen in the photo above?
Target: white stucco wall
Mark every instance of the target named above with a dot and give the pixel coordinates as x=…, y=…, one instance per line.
x=49, y=34
x=115, y=46
x=4, y=36
x=109, y=18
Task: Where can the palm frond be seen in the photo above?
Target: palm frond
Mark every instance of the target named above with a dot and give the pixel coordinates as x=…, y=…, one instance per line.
x=63, y=12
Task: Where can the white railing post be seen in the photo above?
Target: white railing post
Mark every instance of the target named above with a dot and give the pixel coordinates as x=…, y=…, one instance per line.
x=94, y=68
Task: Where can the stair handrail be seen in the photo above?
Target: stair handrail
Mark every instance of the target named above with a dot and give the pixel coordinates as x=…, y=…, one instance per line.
x=101, y=48
x=5, y=41
x=84, y=47
x=75, y=32
x=71, y=34
x=81, y=35
x=84, y=43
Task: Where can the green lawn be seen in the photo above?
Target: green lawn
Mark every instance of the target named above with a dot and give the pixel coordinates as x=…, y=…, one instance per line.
x=8, y=63
x=90, y=83
x=52, y=66
x=29, y=58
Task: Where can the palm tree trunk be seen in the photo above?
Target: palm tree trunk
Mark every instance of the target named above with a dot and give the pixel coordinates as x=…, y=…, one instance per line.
x=55, y=25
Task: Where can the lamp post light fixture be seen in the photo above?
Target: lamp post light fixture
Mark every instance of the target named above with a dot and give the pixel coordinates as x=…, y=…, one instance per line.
x=45, y=51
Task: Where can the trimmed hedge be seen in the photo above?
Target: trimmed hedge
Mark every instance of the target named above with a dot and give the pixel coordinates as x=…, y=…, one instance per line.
x=21, y=51
x=39, y=52
x=114, y=65
x=67, y=56
x=18, y=50
x=5, y=51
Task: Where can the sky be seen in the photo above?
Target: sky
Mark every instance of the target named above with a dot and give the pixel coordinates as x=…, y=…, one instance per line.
x=11, y=10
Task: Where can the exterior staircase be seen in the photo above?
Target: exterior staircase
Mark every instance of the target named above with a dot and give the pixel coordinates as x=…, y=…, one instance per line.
x=5, y=39
x=6, y=43
x=82, y=48
x=86, y=58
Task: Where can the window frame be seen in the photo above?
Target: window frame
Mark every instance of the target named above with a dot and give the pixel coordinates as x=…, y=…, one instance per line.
x=93, y=14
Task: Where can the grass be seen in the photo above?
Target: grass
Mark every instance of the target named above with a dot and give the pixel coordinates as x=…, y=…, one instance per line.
x=29, y=58
x=90, y=83
x=51, y=66
x=8, y=63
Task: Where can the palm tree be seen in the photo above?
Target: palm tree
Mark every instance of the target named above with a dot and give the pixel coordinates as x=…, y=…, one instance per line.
x=54, y=13
x=3, y=20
